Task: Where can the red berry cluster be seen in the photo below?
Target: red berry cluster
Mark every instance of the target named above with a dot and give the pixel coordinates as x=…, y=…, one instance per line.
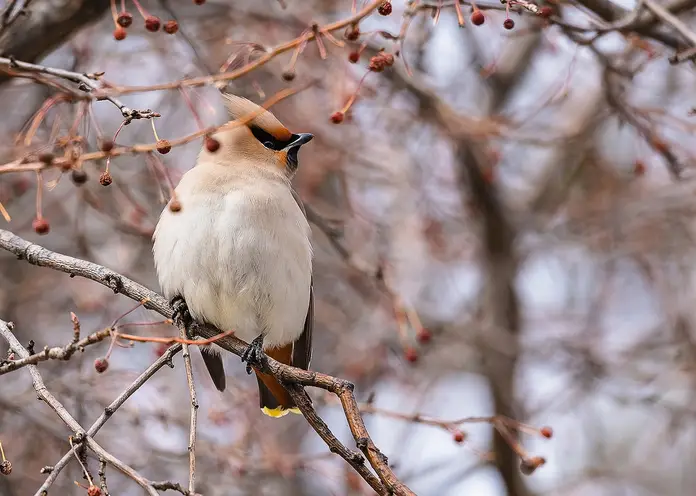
x=380, y=61
x=124, y=20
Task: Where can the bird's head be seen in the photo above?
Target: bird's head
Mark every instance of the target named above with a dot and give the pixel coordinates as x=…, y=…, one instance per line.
x=263, y=140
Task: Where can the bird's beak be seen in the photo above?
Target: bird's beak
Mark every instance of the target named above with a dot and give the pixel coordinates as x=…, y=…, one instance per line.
x=301, y=139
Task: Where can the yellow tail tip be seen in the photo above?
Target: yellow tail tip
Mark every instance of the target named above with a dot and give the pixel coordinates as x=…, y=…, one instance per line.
x=280, y=411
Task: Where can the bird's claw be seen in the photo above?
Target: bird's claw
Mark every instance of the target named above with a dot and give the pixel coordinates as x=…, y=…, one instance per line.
x=180, y=314
x=254, y=355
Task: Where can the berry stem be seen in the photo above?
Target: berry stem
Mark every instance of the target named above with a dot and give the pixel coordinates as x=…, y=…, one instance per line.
x=352, y=98
x=4, y=213
x=108, y=158
x=154, y=130
x=460, y=16
x=95, y=123
x=296, y=53
x=114, y=13
x=159, y=167
x=333, y=39
x=199, y=123
x=39, y=194
x=84, y=469
x=319, y=41
x=142, y=10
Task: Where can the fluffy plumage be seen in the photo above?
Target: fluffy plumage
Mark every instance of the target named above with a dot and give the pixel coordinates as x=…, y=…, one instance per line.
x=239, y=251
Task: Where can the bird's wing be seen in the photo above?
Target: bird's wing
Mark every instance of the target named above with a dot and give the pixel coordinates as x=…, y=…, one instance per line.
x=302, y=348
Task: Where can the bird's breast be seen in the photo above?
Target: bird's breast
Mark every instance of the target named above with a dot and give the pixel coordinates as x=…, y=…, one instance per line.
x=241, y=259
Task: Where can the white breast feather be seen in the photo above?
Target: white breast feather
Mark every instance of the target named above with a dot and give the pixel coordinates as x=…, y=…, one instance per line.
x=242, y=258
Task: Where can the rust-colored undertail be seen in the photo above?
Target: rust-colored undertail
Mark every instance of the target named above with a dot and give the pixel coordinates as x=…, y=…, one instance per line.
x=274, y=400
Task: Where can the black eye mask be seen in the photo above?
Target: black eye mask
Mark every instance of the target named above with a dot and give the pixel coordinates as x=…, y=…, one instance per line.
x=273, y=143
x=270, y=141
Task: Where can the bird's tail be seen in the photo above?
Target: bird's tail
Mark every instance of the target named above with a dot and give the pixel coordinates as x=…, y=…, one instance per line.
x=274, y=399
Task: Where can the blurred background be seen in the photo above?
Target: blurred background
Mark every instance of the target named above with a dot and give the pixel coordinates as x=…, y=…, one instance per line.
x=501, y=225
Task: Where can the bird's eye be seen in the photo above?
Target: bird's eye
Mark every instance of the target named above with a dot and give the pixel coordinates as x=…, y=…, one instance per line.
x=268, y=144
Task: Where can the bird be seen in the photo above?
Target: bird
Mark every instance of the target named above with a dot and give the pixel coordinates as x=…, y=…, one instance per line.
x=236, y=252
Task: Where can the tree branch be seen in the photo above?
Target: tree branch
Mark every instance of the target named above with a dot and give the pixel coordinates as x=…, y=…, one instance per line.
x=80, y=435
x=44, y=25
x=386, y=482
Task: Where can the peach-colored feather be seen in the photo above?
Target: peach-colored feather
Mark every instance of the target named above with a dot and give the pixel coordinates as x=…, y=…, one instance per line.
x=238, y=107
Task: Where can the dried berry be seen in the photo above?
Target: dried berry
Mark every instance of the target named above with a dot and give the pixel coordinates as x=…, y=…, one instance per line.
x=164, y=146
x=411, y=355
x=199, y=2
x=78, y=176
x=5, y=467
x=659, y=145
x=546, y=12
x=288, y=75
x=424, y=335
x=171, y=27
x=337, y=117
x=175, y=205
x=477, y=17
x=124, y=19
x=508, y=23
x=94, y=491
x=120, y=34
x=46, y=158
x=528, y=466
x=353, y=57
x=105, y=178
x=106, y=145
x=458, y=436
x=352, y=32
x=101, y=364
x=41, y=226
x=152, y=23
x=380, y=61
x=546, y=431
x=639, y=168
x=160, y=349
x=211, y=144
x=385, y=9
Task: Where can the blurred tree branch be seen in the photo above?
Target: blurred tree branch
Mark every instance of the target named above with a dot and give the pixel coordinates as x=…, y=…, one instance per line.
x=43, y=25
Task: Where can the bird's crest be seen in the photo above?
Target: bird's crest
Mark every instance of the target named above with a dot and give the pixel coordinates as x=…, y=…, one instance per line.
x=239, y=107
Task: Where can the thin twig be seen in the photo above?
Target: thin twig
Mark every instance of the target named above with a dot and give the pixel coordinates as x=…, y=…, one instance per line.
x=194, y=414
x=165, y=359
x=672, y=20
x=19, y=166
x=80, y=435
x=85, y=82
x=56, y=353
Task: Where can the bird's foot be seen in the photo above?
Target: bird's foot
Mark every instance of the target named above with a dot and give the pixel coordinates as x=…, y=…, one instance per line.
x=254, y=355
x=181, y=315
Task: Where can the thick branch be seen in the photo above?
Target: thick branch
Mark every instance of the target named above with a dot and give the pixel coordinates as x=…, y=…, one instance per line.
x=388, y=483
x=44, y=25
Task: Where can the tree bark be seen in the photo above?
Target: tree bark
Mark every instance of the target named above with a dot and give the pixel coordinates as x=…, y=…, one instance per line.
x=44, y=25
